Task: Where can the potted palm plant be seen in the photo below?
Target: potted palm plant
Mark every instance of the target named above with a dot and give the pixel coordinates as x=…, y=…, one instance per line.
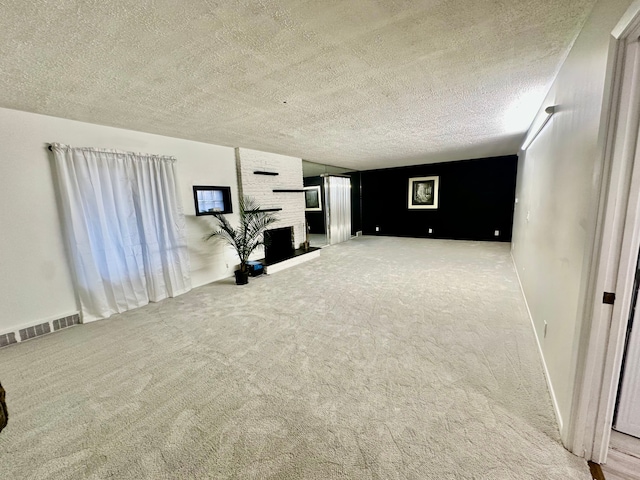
x=248, y=236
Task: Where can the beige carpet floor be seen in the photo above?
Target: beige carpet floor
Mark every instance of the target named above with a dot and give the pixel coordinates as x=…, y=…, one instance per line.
x=386, y=358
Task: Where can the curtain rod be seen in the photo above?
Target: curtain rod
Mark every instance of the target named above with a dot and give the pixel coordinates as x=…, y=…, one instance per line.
x=50, y=148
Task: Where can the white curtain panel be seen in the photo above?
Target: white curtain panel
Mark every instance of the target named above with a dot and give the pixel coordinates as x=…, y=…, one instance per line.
x=125, y=228
x=338, y=208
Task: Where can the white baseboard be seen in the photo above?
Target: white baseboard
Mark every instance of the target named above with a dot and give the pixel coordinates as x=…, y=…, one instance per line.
x=552, y=393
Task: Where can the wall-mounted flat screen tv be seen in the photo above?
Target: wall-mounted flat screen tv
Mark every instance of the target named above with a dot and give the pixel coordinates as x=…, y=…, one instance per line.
x=209, y=199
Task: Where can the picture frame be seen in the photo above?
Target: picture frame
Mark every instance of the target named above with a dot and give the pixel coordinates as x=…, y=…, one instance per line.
x=312, y=199
x=423, y=193
x=210, y=199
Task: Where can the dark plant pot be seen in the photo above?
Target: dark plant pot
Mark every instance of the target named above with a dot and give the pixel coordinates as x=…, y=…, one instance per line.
x=4, y=414
x=242, y=278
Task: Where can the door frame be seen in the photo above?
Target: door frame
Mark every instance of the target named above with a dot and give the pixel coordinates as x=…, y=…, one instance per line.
x=615, y=248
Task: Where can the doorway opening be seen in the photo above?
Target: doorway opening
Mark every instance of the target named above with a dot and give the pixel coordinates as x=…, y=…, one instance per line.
x=332, y=203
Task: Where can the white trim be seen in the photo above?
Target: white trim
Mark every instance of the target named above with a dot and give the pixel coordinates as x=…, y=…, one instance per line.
x=552, y=393
x=628, y=22
x=616, y=241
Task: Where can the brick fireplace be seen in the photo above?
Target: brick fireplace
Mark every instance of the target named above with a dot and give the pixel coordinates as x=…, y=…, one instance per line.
x=275, y=182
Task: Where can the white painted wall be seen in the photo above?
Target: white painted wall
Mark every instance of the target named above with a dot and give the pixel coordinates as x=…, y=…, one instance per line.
x=557, y=190
x=35, y=281
x=261, y=187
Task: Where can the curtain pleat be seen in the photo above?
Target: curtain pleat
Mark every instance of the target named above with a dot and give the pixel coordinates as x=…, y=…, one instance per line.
x=125, y=228
x=338, y=208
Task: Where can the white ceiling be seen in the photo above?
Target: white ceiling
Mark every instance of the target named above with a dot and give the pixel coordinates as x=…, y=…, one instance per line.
x=360, y=83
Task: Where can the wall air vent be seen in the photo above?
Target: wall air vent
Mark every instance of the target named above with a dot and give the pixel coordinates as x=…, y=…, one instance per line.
x=35, y=331
x=7, y=339
x=38, y=330
x=66, y=322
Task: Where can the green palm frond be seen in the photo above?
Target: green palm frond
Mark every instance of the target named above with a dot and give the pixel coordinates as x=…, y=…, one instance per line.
x=249, y=234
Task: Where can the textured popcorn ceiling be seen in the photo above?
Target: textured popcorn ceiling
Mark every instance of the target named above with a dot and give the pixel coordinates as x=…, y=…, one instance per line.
x=360, y=84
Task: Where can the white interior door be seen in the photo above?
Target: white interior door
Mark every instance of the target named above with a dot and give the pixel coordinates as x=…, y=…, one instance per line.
x=628, y=410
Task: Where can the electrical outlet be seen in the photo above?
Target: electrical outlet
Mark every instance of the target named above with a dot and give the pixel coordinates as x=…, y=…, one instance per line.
x=545, y=330
x=377, y=228
x=496, y=233
x=431, y=230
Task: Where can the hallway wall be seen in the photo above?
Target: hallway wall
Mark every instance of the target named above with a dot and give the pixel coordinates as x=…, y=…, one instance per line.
x=556, y=194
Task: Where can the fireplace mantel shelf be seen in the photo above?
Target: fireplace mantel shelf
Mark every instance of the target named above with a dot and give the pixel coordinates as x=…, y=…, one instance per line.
x=287, y=190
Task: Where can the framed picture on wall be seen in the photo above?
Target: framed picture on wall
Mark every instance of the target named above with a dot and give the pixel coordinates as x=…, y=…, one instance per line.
x=312, y=199
x=423, y=192
x=209, y=199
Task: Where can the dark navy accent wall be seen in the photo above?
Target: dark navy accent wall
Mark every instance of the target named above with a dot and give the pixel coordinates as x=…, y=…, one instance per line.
x=476, y=198
x=356, y=202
